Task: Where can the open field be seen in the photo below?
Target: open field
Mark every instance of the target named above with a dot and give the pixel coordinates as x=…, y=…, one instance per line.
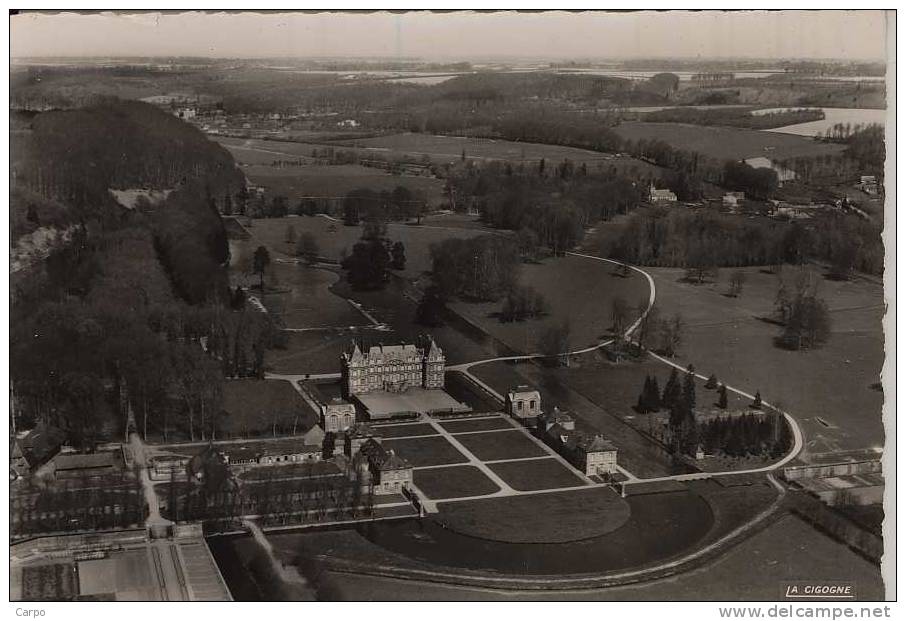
x=450, y=148
x=727, y=143
x=577, y=290
x=314, y=179
x=296, y=182
x=333, y=238
x=482, y=424
x=785, y=551
x=544, y=518
x=454, y=482
x=500, y=445
x=535, y=474
x=726, y=336
x=257, y=407
x=433, y=451
x=309, y=352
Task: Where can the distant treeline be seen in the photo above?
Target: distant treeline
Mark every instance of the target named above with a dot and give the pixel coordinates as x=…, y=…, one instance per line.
x=673, y=238
x=734, y=117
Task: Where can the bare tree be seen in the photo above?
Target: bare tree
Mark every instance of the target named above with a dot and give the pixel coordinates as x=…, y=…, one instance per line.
x=555, y=341
x=619, y=313
x=737, y=279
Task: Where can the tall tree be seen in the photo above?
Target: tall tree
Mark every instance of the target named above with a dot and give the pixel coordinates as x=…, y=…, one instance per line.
x=398, y=254
x=260, y=262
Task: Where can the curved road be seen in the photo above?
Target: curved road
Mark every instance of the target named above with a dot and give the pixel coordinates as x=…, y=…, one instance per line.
x=465, y=367
x=798, y=440
x=676, y=564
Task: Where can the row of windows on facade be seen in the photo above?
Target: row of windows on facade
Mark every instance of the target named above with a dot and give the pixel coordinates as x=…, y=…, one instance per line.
x=397, y=368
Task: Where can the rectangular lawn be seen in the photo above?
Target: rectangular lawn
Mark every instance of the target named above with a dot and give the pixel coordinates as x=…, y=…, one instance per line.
x=404, y=431
x=481, y=424
x=499, y=445
x=259, y=407
x=455, y=482
x=536, y=474
x=420, y=452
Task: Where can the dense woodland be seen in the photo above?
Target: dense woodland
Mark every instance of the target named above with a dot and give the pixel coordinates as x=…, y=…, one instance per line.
x=137, y=305
x=673, y=238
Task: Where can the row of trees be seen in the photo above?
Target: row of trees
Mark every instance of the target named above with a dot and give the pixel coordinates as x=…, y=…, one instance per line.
x=367, y=204
x=279, y=500
x=481, y=269
x=703, y=241
x=77, y=505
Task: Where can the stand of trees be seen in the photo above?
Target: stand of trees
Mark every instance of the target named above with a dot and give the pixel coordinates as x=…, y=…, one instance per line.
x=703, y=241
x=367, y=267
x=430, y=311
x=397, y=204
x=805, y=317
x=736, y=435
x=522, y=303
x=554, y=344
x=481, y=268
x=680, y=400
x=546, y=209
x=735, y=117
x=756, y=434
x=136, y=308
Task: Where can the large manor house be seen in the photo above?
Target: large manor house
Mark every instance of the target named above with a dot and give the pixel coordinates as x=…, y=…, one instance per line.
x=393, y=368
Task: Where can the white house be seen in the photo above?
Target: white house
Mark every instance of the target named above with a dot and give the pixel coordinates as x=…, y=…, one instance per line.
x=661, y=196
x=732, y=199
x=523, y=402
x=337, y=415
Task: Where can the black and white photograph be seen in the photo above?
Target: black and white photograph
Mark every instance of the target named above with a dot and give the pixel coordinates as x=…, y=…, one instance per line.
x=432, y=306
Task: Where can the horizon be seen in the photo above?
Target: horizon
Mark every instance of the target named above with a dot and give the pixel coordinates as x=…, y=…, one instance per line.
x=749, y=36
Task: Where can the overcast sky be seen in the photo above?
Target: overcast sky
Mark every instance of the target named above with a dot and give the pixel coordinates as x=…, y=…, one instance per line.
x=783, y=34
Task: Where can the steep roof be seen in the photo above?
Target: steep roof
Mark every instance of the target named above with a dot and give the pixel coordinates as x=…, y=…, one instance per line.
x=559, y=417
x=40, y=444
x=524, y=390
x=434, y=349
x=595, y=444
x=559, y=431
x=393, y=352
x=392, y=461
